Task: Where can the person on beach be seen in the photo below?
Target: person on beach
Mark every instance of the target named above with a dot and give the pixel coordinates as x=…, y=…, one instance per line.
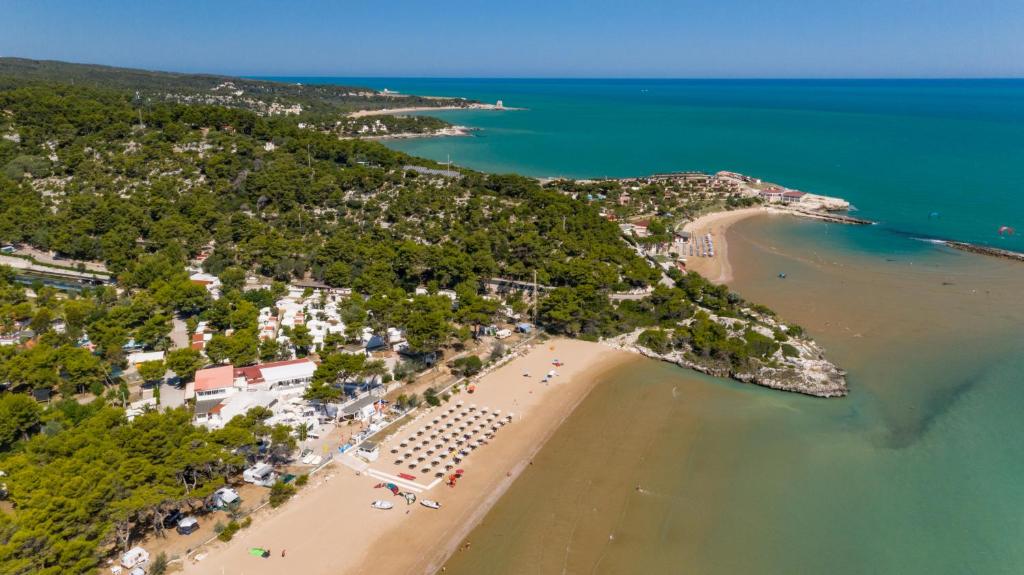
x=283, y=552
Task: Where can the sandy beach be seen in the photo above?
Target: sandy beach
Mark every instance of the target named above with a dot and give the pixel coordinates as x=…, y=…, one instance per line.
x=330, y=528
x=717, y=269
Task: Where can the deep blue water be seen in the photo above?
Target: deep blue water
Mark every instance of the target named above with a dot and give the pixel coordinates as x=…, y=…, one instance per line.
x=898, y=150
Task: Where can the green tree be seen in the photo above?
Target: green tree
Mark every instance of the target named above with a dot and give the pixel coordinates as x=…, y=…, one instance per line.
x=185, y=362
x=19, y=415
x=151, y=370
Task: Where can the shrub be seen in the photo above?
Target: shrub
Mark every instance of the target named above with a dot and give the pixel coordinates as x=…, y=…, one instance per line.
x=656, y=340
x=246, y=522
x=229, y=532
x=280, y=493
x=159, y=566
x=469, y=365
x=789, y=351
x=301, y=480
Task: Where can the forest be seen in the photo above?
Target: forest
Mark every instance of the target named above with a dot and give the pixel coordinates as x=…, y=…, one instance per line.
x=145, y=187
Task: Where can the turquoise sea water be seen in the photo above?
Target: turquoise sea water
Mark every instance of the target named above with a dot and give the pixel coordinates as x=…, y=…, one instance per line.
x=898, y=150
x=921, y=469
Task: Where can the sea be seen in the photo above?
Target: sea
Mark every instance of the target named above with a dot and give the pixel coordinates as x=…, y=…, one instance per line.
x=920, y=470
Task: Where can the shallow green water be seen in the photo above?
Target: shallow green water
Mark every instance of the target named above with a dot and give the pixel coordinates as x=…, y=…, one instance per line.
x=918, y=471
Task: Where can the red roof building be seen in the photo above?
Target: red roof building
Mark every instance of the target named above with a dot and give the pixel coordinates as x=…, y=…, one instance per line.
x=215, y=381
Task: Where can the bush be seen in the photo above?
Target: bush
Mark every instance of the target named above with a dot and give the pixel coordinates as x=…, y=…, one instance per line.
x=280, y=493
x=246, y=522
x=468, y=366
x=759, y=345
x=159, y=566
x=789, y=351
x=229, y=532
x=301, y=480
x=656, y=340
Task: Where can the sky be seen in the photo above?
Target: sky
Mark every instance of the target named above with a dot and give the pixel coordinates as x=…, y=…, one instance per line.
x=506, y=38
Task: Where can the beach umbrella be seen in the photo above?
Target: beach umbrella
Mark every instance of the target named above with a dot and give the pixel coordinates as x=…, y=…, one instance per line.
x=394, y=450
x=421, y=458
x=435, y=462
x=412, y=465
x=425, y=470
x=472, y=406
x=497, y=412
x=449, y=465
x=430, y=452
x=439, y=474
x=416, y=447
x=459, y=402
x=399, y=461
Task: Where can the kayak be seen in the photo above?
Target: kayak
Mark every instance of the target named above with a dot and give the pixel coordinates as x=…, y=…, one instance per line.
x=381, y=505
x=407, y=476
x=430, y=504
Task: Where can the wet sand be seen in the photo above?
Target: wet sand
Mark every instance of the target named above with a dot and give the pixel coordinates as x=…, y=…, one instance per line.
x=330, y=527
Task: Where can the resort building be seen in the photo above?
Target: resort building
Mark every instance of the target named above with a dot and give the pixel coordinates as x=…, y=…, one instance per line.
x=215, y=382
x=792, y=196
x=276, y=375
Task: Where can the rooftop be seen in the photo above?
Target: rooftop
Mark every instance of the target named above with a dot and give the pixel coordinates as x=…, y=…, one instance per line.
x=212, y=378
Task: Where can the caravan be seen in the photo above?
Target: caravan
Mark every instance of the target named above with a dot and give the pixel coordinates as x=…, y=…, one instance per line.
x=260, y=474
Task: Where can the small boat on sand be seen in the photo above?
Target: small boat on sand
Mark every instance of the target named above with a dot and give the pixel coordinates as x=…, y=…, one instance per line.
x=378, y=504
x=429, y=503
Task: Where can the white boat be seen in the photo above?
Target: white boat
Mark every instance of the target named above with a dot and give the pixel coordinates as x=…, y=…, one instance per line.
x=429, y=503
x=378, y=504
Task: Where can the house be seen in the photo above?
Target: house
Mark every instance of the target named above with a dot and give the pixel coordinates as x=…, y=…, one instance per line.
x=275, y=375
x=144, y=356
x=260, y=474
x=215, y=382
x=792, y=196
x=216, y=416
x=368, y=451
x=771, y=195
x=640, y=228
x=208, y=281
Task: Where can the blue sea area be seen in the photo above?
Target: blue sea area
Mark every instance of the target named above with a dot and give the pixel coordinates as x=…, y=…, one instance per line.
x=934, y=158
x=920, y=469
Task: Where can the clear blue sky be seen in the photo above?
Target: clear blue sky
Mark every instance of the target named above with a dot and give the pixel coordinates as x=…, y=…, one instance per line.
x=505, y=38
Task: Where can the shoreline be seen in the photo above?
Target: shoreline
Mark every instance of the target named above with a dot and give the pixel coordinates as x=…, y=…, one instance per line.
x=450, y=132
x=414, y=109
x=717, y=269
x=335, y=506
